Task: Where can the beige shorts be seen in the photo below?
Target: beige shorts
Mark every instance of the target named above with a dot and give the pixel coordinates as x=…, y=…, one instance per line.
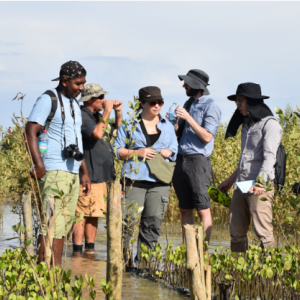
x=94, y=204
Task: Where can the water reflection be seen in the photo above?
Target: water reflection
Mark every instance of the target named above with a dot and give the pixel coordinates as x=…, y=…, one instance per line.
x=94, y=262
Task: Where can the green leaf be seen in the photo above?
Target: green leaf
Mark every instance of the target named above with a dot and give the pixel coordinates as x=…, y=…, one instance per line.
x=294, y=136
x=269, y=272
x=263, y=199
x=55, y=191
x=67, y=287
x=278, y=110
x=103, y=283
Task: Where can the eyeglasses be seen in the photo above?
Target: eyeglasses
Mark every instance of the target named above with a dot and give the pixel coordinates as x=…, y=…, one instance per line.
x=239, y=102
x=101, y=97
x=153, y=103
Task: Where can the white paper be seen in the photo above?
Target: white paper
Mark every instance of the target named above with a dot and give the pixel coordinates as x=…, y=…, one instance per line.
x=245, y=186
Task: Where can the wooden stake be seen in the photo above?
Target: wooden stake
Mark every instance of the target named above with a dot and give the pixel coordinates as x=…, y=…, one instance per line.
x=50, y=216
x=114, y=240
x=193, y=264
x=27, y=220
x=200, y=253
x=208, y=282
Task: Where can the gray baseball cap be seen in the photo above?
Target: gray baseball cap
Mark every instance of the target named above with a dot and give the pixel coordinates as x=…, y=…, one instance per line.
x=90, y=91
x=196, y=79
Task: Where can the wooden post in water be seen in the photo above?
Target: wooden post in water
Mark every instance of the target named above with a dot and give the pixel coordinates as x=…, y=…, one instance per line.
x=50, y=216
x=27, y=220
x=114, y=240
x=208, y=282
x=200, y=253
x=193, y=263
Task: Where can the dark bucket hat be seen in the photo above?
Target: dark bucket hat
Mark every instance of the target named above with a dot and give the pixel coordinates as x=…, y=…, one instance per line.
x=196, y=79
x=150, y=93
x=249, y=90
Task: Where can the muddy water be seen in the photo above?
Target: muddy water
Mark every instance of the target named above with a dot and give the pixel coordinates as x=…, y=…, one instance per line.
x=94, y=263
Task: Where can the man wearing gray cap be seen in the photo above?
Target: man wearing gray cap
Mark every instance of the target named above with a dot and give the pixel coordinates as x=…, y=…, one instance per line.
x=197, y=126
x=98, y=159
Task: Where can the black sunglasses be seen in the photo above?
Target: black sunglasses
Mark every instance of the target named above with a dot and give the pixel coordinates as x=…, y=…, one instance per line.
x=101, y=97
x=153, y=103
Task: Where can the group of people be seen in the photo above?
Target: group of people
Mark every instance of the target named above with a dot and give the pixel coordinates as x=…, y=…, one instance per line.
x=187, y=144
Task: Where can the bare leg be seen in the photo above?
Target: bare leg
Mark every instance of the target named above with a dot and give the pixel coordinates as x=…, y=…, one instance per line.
x=78, y=232
x=206, y=219
x=58, y=246
x=40, y=248
x=91, y=224
x=186, y=218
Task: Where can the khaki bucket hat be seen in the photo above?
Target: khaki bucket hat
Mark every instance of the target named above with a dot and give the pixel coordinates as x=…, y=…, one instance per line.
x=196, y=79
x=92, y=90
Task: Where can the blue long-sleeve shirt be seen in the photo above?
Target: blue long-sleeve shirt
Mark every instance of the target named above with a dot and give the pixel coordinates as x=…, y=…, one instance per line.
x=207, y=114
x=167, y=140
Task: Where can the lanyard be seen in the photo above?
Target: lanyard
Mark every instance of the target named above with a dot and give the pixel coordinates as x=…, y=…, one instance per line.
x=63, y=116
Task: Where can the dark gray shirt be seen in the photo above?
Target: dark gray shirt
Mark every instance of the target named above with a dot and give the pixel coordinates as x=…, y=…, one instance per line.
x=99, y=159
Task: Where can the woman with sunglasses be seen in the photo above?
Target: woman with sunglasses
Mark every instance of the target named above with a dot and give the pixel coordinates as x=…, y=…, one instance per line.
x=260, y=138
x=143, y=188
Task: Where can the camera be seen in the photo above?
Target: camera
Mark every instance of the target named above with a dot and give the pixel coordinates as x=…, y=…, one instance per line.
x=73, y=151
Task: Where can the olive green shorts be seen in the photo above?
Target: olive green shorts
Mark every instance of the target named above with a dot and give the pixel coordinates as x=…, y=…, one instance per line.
x=61, y=181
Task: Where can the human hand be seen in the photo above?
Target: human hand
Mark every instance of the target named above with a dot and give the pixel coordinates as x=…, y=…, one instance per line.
x=86, y=185
x=39, y=170
x=182, y=113
x=117, y=105
x=225, y=185
x=146, y=152
x=176, y=126
x=108, y=105
x=257, y=190
x=165, y=153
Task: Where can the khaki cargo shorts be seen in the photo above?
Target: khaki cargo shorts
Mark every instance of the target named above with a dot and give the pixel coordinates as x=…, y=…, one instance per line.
x=60, y=180
x=94, y=204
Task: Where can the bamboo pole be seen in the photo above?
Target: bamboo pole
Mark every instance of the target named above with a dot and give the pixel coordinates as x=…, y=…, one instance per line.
x=208, y=282
x=200, y=253
x=114, y=240
x=50, y=221
x=193, y=264
x=27, y=220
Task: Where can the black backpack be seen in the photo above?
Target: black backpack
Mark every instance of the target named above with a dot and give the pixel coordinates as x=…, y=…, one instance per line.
x=280, y=165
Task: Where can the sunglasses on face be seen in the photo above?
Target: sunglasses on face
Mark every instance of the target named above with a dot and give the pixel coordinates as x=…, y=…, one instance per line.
x=101, y=97
x=153, y=103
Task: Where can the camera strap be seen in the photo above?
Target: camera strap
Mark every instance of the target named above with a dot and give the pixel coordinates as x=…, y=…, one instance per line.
x=63, y=116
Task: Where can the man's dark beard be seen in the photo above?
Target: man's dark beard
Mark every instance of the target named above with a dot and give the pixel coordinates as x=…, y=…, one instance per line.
x=192, y=92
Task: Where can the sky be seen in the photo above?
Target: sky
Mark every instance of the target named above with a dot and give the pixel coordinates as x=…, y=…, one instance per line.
x=125, y=46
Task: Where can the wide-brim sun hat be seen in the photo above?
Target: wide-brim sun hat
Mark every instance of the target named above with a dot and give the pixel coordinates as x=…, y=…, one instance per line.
x=196, y=79
x=250, y=90
x=92, y=90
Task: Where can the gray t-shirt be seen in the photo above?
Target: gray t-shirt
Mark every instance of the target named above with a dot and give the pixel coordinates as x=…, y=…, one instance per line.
x=99, y=159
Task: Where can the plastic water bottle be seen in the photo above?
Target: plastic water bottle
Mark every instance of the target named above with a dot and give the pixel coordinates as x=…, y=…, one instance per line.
x=172, y=114
x=43, y=143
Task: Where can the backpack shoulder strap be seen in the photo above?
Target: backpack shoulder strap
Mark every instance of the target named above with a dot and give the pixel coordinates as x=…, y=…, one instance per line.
x=145, y=131
x=53, y=107
x=272, y=118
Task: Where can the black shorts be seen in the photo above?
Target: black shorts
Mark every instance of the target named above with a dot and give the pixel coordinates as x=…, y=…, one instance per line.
x=191, y=180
